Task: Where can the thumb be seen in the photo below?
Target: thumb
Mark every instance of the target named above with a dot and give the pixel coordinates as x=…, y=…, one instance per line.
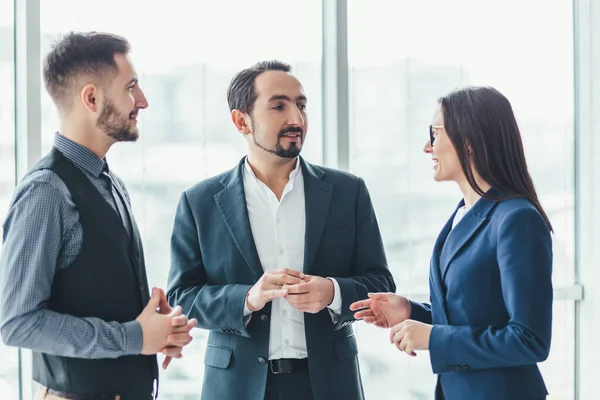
x=154, y=299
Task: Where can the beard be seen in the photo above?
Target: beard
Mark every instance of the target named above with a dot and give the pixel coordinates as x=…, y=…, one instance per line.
x=292, y=152
x=115, y=125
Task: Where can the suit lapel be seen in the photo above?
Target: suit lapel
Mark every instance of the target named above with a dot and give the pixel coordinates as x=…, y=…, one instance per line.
x=464, y=231
x=435, y=275
x=317, y=194
x=231, y=202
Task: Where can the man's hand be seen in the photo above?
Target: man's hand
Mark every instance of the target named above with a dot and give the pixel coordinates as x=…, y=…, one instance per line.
x=411, y=335
x=311, y=296
x=382, y=309
x=179, y=323
x=163, y=330
x=271, y=285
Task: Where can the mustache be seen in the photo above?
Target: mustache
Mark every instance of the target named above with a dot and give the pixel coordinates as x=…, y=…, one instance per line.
x=134, y=113
x=296, y=129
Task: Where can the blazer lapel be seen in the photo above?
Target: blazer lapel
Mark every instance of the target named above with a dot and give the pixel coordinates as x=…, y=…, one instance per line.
x=435, y=276
x=317, y=194
x=231, y=202
x=466, y=228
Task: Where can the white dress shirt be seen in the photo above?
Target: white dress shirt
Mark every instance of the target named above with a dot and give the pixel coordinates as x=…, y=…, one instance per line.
x=278, y=228
x=460, y=213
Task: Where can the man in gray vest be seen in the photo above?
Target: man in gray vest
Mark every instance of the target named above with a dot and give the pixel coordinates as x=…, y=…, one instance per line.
x=73, y=282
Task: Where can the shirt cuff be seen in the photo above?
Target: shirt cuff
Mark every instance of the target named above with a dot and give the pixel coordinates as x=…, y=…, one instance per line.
x=134, y=338
x=247, y=313
x=336, y=305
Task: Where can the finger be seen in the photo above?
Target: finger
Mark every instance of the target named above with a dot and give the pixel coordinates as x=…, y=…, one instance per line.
x=172, y=351
x=364, y=314
x=404, y=343
x=187, y=327
x=176, y=311
x=289, y=280
x=380, y=296
x=179, y=339
x=154, y=299
x=180, y=320
x=292, y=272
x=163, y=305
x=274, y=293
x=396, y=331
x=302, y=288
x=166, y=362
x=357, y=305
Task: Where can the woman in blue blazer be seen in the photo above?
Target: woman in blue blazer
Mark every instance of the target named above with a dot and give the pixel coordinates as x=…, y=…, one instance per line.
x=490, y=318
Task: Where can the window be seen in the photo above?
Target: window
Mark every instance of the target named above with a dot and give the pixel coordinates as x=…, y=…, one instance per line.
x=9, y=366
x=424, y=50
x=186, y=134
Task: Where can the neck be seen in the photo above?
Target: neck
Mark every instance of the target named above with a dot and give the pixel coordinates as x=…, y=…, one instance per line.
x=273, y=171
x=469, y=194
x=89, y=137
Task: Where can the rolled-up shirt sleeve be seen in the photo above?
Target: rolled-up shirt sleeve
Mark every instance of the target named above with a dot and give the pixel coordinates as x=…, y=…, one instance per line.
x=39, y=224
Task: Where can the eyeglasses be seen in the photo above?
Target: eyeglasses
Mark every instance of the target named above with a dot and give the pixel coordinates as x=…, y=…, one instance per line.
x=432, y=133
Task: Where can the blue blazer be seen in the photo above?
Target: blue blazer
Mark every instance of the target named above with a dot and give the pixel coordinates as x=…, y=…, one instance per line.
x=491, y=302
x=214, y=263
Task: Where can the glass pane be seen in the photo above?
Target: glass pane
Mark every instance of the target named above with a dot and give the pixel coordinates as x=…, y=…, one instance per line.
x=424, y=50
x=558, y=370
x=9, y=364
x=186, y=133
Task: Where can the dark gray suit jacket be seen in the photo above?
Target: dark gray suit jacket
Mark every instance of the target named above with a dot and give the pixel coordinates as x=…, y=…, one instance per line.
x=214, y=263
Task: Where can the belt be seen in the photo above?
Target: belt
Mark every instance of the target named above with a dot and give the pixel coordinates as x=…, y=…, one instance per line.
x=288, y=365
x=82, y=396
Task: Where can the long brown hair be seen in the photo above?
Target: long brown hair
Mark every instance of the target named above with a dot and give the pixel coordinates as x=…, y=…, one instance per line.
x=482, y=127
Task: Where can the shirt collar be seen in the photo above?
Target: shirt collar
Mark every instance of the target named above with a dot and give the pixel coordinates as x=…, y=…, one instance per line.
x=80, y=156
x=250, y=172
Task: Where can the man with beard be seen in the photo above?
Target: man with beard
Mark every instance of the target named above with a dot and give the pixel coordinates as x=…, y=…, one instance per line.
x=73, y=282
x=269, y=256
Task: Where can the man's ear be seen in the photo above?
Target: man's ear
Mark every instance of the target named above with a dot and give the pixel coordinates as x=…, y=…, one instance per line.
x=90, y=97
x=241, y=121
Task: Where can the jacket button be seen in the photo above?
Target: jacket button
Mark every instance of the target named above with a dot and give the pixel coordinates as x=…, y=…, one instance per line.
x=262, y=360
x=264, y=317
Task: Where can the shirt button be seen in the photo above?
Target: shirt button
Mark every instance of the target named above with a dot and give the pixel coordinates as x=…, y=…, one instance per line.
x=284, y=312
x=287, y=342
x=264, y=317
x=261, y=360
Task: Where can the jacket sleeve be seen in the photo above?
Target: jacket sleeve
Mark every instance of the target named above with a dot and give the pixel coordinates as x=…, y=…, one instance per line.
x=216, y=307
x=369, y=266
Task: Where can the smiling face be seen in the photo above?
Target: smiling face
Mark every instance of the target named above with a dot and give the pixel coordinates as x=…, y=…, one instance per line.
x=446, y=164
x=278, y=122
x=124, y=98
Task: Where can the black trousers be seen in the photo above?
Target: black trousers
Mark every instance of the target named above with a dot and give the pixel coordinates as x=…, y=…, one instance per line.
x=293, y=386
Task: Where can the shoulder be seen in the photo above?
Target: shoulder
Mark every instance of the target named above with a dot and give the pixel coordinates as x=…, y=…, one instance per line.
x=333, y=175
x=42, y=184
x=208, y=187
x=518, y=213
